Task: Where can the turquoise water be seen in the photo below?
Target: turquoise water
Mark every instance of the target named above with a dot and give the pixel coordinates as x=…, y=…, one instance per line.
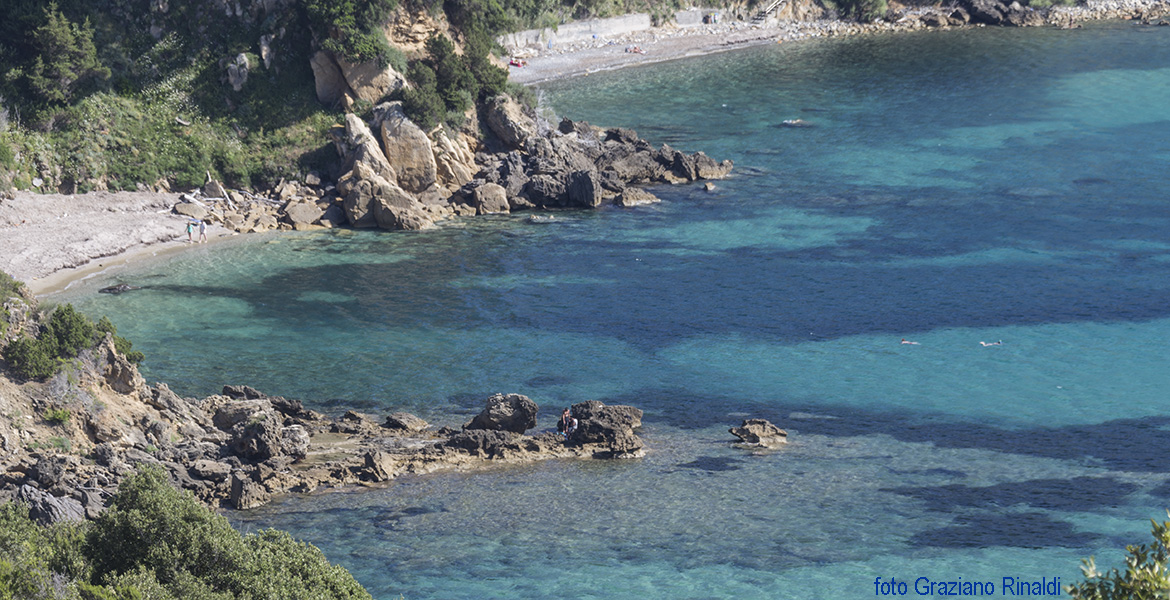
x=957, y=188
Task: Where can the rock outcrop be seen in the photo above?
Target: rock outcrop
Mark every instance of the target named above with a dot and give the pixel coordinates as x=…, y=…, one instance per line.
x=241, y=447
x=611, y=429
x=760, y=433
x=506, y=412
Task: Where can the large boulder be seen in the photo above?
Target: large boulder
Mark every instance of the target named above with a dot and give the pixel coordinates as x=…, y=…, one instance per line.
x=257, y=439
x=409, y=149
x=237, y=71
x=360, y=147
x=612, y=427
x=584, y=189
x=245, y=493
x=546, y=190
x=119, y=373
x=395, y=209
x=506, y=118
x=369, y=81
x=235, y=412
x=190, y=209
x=506, y=412
x=760, y=432
x=301, y=214
x=635, y=197
x=490, y=198
x=454, y=161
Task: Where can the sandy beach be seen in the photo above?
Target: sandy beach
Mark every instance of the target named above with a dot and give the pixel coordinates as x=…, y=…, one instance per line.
x=47, y=240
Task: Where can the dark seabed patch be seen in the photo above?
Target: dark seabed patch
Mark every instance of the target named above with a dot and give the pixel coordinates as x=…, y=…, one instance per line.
x=1017, y=530
x=1074, y=495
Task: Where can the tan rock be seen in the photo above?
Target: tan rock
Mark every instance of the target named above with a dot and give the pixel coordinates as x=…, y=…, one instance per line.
x=330, y=82
x=369, y=81
x=635, y=197
x=409, y=149
x=490, y=198
x=506, y=118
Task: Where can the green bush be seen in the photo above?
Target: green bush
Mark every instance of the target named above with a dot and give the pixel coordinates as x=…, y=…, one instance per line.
x=1146, y=574
x=157, y=543
x=30, y=359
x=352, y=28
x=68, y=332
x=57, y=416
x=154, y=528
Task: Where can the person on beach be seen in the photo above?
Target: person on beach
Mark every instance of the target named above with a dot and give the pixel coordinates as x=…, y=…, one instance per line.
x=203, y=231
x=190, y=230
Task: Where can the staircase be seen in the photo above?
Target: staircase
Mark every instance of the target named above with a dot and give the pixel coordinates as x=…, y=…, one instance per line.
x=763, y=14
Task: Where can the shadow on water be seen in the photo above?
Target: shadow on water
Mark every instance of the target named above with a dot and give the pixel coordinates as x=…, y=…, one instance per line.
x=1017, y=530
x=1121, y=444
x=1076, y=494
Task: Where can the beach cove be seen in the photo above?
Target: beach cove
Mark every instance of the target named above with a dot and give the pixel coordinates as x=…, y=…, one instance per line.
x=935, y=198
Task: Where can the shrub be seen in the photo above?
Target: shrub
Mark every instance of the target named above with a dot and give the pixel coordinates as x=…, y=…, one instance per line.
x=30, y=359
x=68, y=332
x=1146, y=574
x=159, y=532
x=57, y=416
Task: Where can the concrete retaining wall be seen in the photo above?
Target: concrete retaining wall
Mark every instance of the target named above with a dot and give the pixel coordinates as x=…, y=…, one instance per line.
x=577, y=31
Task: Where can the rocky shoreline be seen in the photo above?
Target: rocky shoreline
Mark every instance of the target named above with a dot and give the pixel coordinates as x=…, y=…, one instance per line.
x=806, y=20
x=396, y=177
x=240, y=448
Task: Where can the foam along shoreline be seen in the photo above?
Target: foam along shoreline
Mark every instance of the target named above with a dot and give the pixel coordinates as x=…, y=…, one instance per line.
x=663, y=44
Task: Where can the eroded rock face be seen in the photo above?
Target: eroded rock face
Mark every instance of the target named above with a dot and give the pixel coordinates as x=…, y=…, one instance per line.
x=760, y=432
x=46, y=509
x=506, y=412
x=612, y=427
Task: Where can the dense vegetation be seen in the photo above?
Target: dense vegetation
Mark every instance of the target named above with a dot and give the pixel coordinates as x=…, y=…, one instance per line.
x=1146, y=575
x=159, y=543
x=123, y=93
x=65, y=334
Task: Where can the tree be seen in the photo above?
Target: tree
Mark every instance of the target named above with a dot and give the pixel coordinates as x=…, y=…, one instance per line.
x=1146, y=575
x=68, y=332
x=65, y=58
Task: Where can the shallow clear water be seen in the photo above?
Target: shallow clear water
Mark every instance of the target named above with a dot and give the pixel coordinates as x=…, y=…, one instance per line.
x=957, y=188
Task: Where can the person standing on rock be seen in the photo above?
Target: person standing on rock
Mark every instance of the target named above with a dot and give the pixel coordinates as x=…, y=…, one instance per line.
x=203, y=231
x=567, y=425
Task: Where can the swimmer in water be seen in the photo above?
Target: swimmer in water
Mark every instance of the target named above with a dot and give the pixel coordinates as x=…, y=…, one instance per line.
x=906, y=341
x=985, y=344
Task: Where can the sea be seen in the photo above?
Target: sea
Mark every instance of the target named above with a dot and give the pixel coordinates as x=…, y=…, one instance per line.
x=998, y=197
